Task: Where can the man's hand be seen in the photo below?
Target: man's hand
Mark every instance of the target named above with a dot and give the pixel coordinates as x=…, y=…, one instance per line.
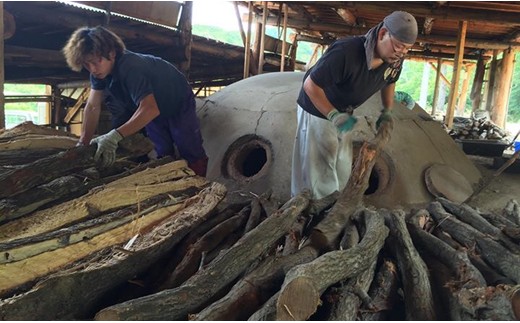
x=385, y=116
x=106, y=147
x=343, y=121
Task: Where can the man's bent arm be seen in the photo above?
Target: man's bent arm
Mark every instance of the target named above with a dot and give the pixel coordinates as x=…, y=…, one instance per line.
x=387, y=96
x=91, y=116
x=145, y=113
x=317, y=96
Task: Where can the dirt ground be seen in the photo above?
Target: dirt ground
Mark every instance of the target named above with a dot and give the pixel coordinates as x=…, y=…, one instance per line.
x=500, y=190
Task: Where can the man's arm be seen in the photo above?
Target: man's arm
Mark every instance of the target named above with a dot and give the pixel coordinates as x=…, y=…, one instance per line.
x=146, y=112
x=317, y=96
x=387, y=96
x=91, y=116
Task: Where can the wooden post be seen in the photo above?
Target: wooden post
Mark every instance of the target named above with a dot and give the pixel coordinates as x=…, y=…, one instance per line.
x=499, y=111
x=478, y=82
x=284, y=44
x=292, y=54
x=490, y=93
x=436, y=89
x=240, y=26
x=247, y=45
x=2, y=68
x=56, y=105
x=464, y=91
x=185, y=27
x=262, y=40
x=459, y=54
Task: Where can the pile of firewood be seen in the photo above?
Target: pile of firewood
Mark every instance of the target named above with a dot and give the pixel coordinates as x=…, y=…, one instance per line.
x=188, y=252
x=481, y=129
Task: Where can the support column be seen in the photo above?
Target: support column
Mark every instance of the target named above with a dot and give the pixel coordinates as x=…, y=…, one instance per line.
x=490, y=93
x=262, y=40
x=247, y=45
x=478, y=82
x=435, y=101
x=284, y=44
x=499, y=110
x=459, y=55
x=186, y=37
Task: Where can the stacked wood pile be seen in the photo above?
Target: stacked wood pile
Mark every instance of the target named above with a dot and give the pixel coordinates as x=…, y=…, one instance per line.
x=480, y=129
x=199, y=255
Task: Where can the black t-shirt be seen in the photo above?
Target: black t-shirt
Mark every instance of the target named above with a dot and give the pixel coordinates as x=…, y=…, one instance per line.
x=135, y=76
x=343, y=74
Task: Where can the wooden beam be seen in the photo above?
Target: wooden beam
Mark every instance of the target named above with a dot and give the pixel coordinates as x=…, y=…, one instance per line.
x=240, y=25
x=490, y=93
x=428, y=24
x=450, y=112
x=464, y=91
x=478, y=82
x=185, y=25
x=444, y=78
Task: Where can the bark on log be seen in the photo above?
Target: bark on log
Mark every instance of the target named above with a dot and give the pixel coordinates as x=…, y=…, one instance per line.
x=255, y=289
x=512, y=211
x=19, y=249
x=325, y=235
x=91, y=205
x=383, y=293
x=467, y=214
x=76, y=292
x=254, y=216
x=500, y=303
x=192, y=260
x=352, y=295
x=496, y=255
x=303, y=285
x=25, y=156
x=466, y=275
x=52, y=167
x=176, y=304
x=268, y=311
x=418, y=296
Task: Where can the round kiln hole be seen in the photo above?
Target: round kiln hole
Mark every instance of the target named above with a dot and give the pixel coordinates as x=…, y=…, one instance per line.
x=247, y=159
x=381, y=174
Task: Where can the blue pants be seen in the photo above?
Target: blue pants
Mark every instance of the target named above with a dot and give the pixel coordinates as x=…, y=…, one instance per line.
x=183, y=132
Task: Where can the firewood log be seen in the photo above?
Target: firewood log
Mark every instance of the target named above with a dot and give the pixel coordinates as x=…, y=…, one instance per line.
x=325, y=235
x=254, y=216
x=352, y=294
x=193, y=295
x=500, y=303
x=77, y=291
x=255, y=289
x=52, y=167
x=267, y=312
x=418, y=296
x=500, y=258
x=191, y=261
x=470, y=216
x=304, y=284
x=383, y=293
x=512, y=211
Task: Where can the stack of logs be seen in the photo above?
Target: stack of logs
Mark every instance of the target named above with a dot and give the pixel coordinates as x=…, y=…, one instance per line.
x=249, y=257
x=480, y=129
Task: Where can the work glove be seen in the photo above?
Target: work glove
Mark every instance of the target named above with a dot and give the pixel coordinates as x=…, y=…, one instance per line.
x=344, y=122
x=385, y=116
x=106, y=147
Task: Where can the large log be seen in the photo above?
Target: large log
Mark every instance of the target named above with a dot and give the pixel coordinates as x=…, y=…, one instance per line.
x=254, y=289
x=304, y=284
x=324, y=236
x=78, y=292
x=418, y=295
x=194, y=294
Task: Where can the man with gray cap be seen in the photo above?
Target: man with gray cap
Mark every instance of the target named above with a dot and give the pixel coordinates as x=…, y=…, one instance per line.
x=348, y=74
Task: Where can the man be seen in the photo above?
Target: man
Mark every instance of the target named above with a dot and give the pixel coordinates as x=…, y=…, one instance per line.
x=349, y=73
x=143, y=92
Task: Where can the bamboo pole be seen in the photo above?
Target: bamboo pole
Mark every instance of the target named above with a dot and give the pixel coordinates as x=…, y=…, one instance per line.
x=459, y=53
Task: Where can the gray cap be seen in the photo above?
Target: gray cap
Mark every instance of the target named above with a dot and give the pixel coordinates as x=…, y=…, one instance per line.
x=402, y=26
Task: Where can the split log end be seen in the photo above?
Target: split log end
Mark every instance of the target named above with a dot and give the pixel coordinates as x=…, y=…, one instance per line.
x=298, y=300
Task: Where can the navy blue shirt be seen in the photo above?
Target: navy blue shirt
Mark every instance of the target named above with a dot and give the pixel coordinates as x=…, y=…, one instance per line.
x=343, y=74
x=135, y=76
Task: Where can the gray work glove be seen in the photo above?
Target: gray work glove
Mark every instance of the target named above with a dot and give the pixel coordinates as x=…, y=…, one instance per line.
x=106, y=147
x=343, y=121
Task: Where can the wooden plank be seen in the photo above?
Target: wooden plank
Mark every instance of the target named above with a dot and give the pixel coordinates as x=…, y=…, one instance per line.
x=82, y=98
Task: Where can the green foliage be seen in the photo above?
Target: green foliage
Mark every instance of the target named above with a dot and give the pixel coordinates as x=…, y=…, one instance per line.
x=23, y=89
x=514, y=98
